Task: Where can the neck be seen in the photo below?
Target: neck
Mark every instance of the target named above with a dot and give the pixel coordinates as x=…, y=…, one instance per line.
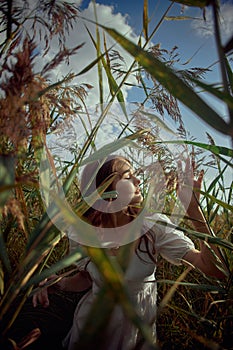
x=118, y=219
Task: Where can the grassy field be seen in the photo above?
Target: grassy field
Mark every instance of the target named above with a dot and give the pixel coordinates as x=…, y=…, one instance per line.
x=196, y=312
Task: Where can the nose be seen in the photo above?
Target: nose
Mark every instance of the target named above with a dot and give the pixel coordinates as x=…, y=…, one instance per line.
x=136, y=181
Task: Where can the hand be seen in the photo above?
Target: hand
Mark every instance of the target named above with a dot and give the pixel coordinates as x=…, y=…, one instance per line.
x=188, y=188
x=41, y=295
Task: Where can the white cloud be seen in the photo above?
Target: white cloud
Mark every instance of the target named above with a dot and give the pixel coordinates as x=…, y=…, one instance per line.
x=87, y=54
x=206, y=29
x=107, y=16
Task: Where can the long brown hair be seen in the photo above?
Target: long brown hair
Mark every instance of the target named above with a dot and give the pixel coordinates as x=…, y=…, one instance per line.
x=94, y=176
x=98, y=173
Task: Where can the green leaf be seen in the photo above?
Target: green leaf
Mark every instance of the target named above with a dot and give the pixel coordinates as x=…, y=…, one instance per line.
x=7, y=178
x=45, y=176
x=1, y=280
x=215, y=92
x=218, y=201
x=93, y=330
x=230, y=193
x=217, y=150
x=145, y=19
x=157, y=120
x=91, y=65
x=179, y=18
x=3, y=253
x=230, y=76
x=114, y=281
x=216, y=179
x=73, y=257
x=112, y=147
x=195, y=3
x=229, y=46
x=176, y=86
x=202, y=286
x=222, y=242
x=114, y=88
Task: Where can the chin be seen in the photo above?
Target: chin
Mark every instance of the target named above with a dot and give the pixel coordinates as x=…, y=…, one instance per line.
x=137, y=200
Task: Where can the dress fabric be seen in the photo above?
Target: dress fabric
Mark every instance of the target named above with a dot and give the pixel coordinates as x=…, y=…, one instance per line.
x=140, y=281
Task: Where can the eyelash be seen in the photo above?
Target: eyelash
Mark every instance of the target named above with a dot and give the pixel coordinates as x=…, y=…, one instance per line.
x=128, y=177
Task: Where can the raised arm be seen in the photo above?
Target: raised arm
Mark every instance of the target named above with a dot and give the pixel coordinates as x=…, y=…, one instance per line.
x=189, y=194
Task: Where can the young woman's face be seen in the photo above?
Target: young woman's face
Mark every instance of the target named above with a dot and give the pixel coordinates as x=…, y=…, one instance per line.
x=127, y=185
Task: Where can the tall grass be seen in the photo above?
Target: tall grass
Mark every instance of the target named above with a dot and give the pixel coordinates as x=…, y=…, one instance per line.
x=196, y=311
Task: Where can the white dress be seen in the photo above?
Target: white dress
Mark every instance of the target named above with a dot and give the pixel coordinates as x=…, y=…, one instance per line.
x=140, y=281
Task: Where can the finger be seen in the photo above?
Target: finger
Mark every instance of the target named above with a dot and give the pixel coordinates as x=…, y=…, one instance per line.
x=193, y=164
x=42, y=297
x=34, y=300
x=179, y=175
x=187, y=165
x=179, y=169
x=193, y=158
x=200, y=177
x=42, y=283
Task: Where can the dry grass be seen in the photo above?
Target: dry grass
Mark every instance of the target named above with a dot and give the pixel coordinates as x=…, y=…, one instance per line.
x=30, y=108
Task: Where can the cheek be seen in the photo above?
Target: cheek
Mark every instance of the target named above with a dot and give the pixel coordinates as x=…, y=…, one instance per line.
x=125, y=190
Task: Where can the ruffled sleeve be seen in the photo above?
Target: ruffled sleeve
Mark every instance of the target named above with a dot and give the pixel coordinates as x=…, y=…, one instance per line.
x=171, y=243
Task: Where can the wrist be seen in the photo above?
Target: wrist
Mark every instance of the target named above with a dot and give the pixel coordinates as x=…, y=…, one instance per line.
x=197, y=217
x=195, y=213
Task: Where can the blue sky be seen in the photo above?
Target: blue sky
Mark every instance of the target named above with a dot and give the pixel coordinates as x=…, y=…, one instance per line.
x=194, y=39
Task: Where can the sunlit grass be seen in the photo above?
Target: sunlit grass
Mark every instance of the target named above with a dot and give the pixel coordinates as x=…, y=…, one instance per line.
x=195, y=313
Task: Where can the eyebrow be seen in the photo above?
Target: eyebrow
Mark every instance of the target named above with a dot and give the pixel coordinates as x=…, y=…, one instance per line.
x=127, y=171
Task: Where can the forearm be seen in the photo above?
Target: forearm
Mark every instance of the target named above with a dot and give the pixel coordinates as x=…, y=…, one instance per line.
x=210, y=254
x=198, y=220
x=76, y=283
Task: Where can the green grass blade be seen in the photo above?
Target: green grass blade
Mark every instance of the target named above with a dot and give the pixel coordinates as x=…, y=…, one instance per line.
x=230, y=193
x=167, y=77
x=67, y=261
x=114, y=88
x=145, y=19
x=93, y=330
x=195, y=3
x=228, y=47
x=203, y=236
x=113, y=146
x=172, y=290
x=7, y=178
x=3, y=254
x=91, y=65
x=218, y=201
x=215, y=181
x=221, y=95
x=98, y=52
x=179, y=18
x=114, y=280
x=202, y=287
x=157, y=120
x=211, y=239
x=217, y=150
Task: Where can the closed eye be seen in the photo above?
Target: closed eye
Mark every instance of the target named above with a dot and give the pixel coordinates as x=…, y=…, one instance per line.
x=127, y=176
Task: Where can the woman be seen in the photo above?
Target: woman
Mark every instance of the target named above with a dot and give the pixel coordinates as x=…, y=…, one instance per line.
x=117, y=174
